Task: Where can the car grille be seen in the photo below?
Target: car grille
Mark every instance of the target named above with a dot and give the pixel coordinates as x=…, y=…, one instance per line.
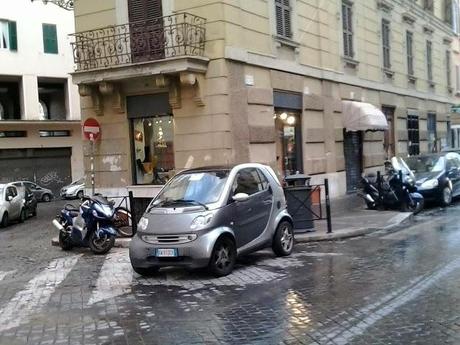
x=170, y=239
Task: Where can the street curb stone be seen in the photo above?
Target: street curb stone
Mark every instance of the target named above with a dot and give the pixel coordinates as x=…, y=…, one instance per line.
x=119, y=242
x=402, y=218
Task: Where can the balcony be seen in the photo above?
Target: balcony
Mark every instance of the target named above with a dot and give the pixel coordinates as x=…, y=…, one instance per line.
x=179, y=36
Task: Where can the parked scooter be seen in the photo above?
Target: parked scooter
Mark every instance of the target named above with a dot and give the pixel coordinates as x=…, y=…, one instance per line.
x=92, y=225
x=395, y=190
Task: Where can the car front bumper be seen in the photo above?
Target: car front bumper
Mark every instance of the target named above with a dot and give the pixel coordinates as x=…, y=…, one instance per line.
x=194, y=254
x=434, y=194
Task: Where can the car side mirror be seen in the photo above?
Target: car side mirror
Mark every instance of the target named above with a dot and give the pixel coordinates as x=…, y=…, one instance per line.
x=240, y=197
x=9, y=197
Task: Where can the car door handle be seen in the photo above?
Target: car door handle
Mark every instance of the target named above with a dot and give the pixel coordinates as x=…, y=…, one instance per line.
x=267, y=201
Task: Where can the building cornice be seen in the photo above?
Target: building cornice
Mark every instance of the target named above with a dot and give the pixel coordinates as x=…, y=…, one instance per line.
x=272, y=62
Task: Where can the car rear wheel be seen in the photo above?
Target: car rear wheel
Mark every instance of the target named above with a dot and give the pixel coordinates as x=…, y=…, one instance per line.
x=46, y=197
x=283, y=242
x=223, y=257
x=446, y=196
x=146, y=271
x=5, y=220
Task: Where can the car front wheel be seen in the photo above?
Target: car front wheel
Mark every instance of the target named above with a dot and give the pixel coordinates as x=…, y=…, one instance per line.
x=223, y=257
x=46, y=198
x=446, y=196
x=283, y=242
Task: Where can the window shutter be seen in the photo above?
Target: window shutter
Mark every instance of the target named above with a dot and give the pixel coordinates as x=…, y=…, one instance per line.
x=50, y=44
x=287, y=22
x=13, y=35
x=279, y=19
x=140, y=10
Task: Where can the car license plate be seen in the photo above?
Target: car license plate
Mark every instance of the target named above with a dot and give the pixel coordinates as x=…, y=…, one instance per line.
x=166, y=253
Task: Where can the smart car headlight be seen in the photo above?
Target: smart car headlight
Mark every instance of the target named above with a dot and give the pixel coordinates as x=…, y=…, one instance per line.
x=143, y=223
x=201, y=222
x=430, y=184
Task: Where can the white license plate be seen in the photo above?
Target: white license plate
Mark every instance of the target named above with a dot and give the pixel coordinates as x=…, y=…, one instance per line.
x=166, y=253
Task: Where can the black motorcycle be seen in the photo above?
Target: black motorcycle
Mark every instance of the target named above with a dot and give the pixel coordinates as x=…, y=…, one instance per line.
x=395, y=190
x=91, y=225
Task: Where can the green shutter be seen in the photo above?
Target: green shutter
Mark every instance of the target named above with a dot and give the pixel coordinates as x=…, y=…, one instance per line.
x=13, y=35
x=50, y=44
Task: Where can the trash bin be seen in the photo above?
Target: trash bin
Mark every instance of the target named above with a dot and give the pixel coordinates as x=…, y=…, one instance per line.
x=299, y=201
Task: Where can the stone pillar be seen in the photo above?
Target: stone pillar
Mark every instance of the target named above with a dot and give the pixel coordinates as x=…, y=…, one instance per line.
x=29, y=98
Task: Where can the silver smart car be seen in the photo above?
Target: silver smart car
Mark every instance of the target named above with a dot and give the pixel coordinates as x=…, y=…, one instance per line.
x=208, y=216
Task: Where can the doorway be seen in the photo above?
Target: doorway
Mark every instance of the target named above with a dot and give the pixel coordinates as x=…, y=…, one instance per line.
x=353, y=152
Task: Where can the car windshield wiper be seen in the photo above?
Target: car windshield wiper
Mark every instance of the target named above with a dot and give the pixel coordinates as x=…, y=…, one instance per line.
x=188, y=201
x=167, y=202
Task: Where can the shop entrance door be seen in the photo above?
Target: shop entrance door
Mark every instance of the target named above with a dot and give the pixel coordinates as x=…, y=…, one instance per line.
x=353, y=150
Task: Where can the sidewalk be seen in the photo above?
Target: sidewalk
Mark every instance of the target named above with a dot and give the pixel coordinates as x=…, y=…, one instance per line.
x=350, y=218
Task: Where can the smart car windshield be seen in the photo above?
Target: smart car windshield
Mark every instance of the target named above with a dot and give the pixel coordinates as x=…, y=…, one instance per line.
x=195, y=188
x=425, y=164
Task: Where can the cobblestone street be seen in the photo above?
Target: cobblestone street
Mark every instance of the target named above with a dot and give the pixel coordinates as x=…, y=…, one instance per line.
x=399, y=287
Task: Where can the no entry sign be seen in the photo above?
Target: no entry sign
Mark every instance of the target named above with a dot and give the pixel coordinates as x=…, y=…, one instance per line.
x=91, y=129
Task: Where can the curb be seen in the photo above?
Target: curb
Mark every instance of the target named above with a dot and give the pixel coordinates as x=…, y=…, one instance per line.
x=394, y=222
x=119, y=242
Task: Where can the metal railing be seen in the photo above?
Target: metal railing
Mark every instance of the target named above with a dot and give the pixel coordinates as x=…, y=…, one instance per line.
x=181, y=34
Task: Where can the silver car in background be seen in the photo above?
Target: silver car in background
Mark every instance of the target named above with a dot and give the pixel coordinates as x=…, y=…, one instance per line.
x=209, y=216
x=12, y=204
x=74, y=190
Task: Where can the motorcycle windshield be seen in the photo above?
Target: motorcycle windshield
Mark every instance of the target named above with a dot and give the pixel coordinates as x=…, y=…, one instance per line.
x=400, y=165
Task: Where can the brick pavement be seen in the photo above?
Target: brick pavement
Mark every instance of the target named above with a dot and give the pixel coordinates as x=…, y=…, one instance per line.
x=385, y=288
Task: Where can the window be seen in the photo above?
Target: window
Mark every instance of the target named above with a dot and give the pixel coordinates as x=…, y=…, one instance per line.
x=413, y=135
x=410, y=53
x=429, y=61
x=54, y=134
x=347, y=25
x=11, y=191
x=153, y=149
x=386, y=43
x=448, y=69
x=432, y=133
x=50, y=43
x=283, y=18
x=8, y=35
x=428, y=5
x=448, y=12
x=247, y=181
x=13, y=134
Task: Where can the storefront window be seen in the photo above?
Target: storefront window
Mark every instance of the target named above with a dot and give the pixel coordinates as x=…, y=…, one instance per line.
x=288, y=142
x=153, y=149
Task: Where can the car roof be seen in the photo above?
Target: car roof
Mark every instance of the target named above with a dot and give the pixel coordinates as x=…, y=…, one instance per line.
x=223, y=167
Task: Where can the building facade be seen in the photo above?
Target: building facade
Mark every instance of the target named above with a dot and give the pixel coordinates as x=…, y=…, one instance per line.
x=40, y=135
x=184, y=83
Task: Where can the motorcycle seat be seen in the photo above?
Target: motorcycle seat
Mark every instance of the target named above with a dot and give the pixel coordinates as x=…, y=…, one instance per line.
x=72, y=209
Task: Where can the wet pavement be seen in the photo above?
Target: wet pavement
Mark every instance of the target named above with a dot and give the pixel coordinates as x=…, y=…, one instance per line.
x=390, y=287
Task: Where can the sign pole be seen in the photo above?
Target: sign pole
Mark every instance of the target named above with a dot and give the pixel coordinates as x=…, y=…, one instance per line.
x=92, y=132
x=92, y=166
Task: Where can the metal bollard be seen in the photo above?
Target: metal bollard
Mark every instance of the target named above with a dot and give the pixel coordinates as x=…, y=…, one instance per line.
x=328, y=206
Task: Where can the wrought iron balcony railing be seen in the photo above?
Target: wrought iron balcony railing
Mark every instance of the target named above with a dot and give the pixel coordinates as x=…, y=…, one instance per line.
x=181, y=34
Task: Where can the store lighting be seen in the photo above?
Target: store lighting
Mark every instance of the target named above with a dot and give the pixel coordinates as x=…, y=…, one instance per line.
x=290, y=120
x=283, y=116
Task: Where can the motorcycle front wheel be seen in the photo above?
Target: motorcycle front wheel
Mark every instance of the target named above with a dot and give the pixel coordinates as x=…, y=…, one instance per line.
x=414, y=207
x=102, y=244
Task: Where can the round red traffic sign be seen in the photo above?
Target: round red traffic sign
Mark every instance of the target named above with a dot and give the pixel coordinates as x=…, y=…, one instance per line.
x=91, y=129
